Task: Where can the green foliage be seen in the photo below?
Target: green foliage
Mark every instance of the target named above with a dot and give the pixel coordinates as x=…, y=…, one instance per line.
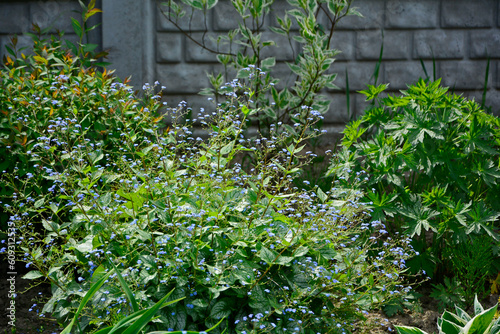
x=46, y=85
x=433, y=161
x=483, y=322
x=171, y=211
x=85, y=51
x=448, y=294
x=251, y=43
x=471, y=262
x=39, y=92
x=133, y=323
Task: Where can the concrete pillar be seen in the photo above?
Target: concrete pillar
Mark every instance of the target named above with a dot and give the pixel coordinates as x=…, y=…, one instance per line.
x=128, y=33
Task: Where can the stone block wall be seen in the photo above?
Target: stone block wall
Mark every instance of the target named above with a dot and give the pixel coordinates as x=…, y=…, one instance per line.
x=17, y=17
x=453, y=38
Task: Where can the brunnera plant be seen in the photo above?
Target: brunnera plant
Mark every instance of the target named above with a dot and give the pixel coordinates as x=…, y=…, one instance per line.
x=172, y=210
x=305, y=28
x=433, y=161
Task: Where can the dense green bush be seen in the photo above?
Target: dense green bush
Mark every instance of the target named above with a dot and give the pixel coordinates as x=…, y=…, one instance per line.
x=433, y=161
x=51, y=87
x=174, y=211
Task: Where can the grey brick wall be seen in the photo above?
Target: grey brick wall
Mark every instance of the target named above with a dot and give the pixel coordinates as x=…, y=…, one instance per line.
x=457, y=36
x=17, y=17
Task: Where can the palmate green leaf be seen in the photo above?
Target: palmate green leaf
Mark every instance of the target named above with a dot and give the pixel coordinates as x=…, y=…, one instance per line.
x=382, y=204
x=372, y=92
x=481, y=219
x=420, y=216
x=459, y=211
x=352, y=132
x=476, y=138
x=394, y=179
x=488, y=171
x=393, y=308
x=417, y=137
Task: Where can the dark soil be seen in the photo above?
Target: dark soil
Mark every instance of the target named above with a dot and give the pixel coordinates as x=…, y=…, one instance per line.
x=27, y=319
x=425, y=319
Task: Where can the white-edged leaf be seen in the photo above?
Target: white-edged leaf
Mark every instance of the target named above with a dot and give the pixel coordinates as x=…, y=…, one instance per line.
x=34, y=274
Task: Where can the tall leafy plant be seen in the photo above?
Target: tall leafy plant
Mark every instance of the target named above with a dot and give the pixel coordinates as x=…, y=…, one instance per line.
x=433, y=161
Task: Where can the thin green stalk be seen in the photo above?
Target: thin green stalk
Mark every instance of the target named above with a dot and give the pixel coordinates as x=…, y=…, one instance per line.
x=348, y=97
x=485, y=87
x=425, y=69
x=379, y=62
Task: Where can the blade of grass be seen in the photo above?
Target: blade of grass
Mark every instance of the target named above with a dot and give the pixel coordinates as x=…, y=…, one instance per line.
x=119, y=327
x=485, y=88
x=433, y=66
x=425, y=70
x=146, y=317
x=125, y=288
x=93, y=289
x=348, y=97
x=379, y=61
x=190, y=332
